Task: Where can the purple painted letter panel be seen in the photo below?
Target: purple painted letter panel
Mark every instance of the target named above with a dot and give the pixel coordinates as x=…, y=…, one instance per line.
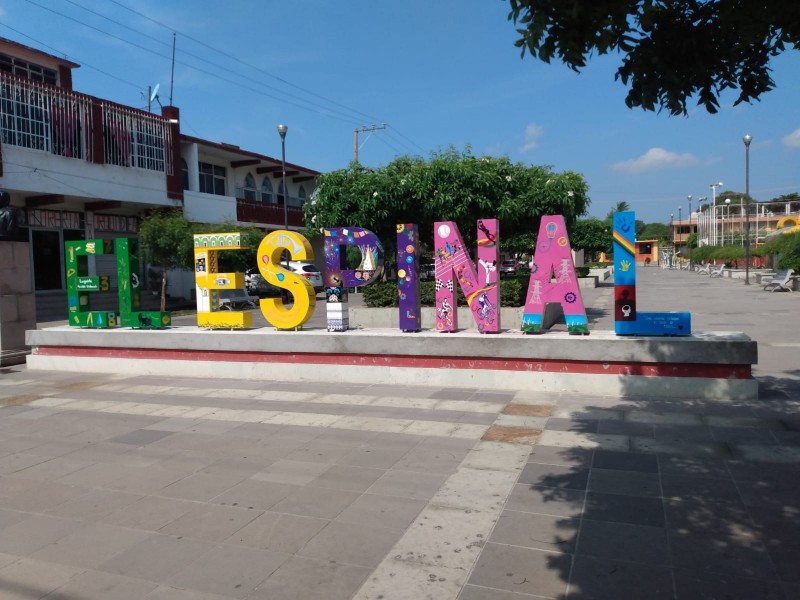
x=479, y=285
x=338, y=278
x=408, y=276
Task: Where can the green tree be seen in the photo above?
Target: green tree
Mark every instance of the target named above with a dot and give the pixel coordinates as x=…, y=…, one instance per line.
x=591, y=235
x=450, y=186
x=166, y=239
x=671, y=51
x=656, y=231
x=621, y=206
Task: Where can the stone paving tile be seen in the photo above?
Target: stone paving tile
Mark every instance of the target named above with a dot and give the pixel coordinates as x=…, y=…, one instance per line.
x=310, y=502
x=151, y=513
x=311, y=579
x=210, y=523
x=602, y=578
x=635, y=510
x=692, y=466
x=90, y=546
x=735, y=555
x=624, y=461
x=254, y=493
x=547, y=501
x=522, y=570
x=351, y=543
x=408, y=484
x=278, y=532
x=372, y=510
x=628, y=483
x=28, y=578
x=624, y=542
x=570, y=439
x=551, y=455
x=541, y=532
x=232, y=571
x=96, y=584
x=536, y=474
x=693, y=584
x=156, y=558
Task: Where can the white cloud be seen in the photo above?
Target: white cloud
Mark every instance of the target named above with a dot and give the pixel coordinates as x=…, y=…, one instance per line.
x=655, y=159
x=793, y=139
x=532, y=134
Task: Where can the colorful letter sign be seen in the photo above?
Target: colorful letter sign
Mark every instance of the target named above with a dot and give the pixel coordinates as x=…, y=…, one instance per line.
x=269, y=264
x=209, y=282
x=553, y=279
x=627, y=320
x=453, y=264
x=338, y=278
x=80, y=285
x=408, y=277
x=130, y=291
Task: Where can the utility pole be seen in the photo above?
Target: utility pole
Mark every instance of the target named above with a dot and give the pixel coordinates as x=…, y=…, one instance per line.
x=358, y=130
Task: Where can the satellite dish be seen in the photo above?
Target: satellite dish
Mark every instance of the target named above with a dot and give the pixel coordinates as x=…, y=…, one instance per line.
x=154, y=93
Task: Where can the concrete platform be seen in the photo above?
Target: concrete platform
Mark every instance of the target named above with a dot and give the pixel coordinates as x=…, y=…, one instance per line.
x=712, y=365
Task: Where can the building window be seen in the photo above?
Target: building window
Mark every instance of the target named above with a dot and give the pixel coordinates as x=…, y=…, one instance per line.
x=22, y=68
x=301, y=196
x=212, y=179
x=281, y=198
x=249, y=190
x=267, y=191
x=185, y=172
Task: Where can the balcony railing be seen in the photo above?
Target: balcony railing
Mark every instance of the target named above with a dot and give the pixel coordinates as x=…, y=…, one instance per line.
x=253, y=211
x=47, y=118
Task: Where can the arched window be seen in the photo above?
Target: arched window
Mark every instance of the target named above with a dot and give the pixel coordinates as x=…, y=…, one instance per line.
x=185, y=171
x=266, y=191
x=301, y=196
x=281, y=193
x=249, y=187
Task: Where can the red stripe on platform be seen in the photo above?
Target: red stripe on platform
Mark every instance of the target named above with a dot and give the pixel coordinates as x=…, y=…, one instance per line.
x=714, y=371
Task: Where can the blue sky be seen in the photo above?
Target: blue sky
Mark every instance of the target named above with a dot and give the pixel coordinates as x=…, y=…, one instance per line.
x=437, y=73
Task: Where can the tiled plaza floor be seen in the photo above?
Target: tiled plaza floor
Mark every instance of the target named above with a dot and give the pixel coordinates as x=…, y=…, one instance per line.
x=126, y=488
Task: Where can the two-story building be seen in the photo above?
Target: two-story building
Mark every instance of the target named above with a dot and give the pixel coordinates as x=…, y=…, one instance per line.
x=81, y=167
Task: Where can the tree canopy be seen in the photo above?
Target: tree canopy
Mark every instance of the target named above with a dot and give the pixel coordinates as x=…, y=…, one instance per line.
x=450, y=186
x=671, y=51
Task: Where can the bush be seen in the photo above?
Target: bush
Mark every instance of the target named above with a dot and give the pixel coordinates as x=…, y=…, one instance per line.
x=383, y=294
x=581, y=271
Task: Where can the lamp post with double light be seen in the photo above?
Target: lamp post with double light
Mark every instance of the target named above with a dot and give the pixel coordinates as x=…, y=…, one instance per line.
x=747, y=139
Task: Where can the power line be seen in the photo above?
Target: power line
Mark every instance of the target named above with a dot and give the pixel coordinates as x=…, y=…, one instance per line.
x=195, y=56
x=325, y=111
x=237, y=59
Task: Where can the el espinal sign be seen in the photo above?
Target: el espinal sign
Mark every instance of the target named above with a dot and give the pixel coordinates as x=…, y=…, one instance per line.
x=552, y=280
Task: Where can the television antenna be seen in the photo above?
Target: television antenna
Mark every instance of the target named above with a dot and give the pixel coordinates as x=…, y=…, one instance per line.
x=152, y=95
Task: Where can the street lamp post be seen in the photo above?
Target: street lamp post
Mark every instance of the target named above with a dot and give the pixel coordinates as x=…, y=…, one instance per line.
x=714, y=187
x=728, y=211
x=672, y=230
x=680, y=228
x=747, y=139
x=282, y=129
x=689, y=198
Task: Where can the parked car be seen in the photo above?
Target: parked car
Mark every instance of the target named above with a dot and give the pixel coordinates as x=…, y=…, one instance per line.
x=509, y=268
x=310, y=272
x=236, y=299
x=255, y=283
x=427, y=270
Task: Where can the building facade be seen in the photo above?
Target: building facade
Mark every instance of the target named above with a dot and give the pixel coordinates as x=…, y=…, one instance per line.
x=81, y=167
